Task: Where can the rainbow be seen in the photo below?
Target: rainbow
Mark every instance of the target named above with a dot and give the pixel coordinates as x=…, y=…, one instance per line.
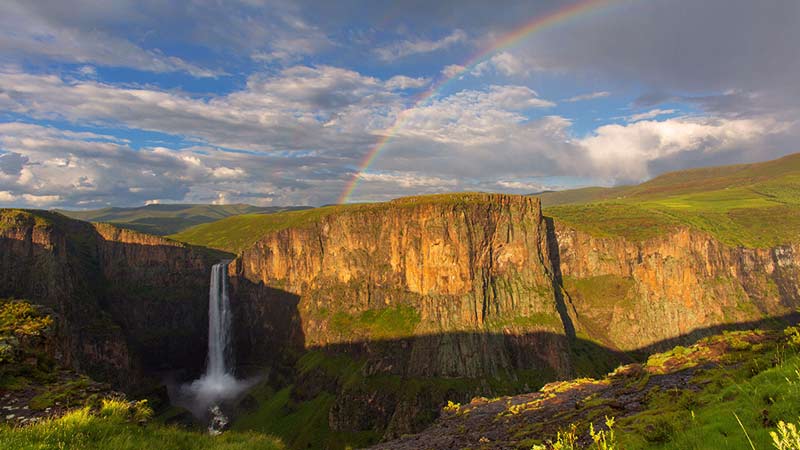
x=539, y=23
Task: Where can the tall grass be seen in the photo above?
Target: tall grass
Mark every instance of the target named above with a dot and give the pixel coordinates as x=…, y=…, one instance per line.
x=119, y=425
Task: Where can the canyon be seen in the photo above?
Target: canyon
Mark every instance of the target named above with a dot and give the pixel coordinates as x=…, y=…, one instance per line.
x=379, y=314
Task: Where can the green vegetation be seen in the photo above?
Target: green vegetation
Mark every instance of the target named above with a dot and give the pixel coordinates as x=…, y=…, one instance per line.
x=751, y=205
x=301, y=424
x=121, y=426
x=601, y=439
x=170, y=218
x=376, y=324
x=10, y=218
x=737, y=390
x=236, y=233
x=755, y=394
x=23, y=328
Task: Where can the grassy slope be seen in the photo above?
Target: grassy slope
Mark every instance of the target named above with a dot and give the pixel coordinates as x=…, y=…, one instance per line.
x=717, y=394
x=112, y=428
x=751, y=205
x=169, y=218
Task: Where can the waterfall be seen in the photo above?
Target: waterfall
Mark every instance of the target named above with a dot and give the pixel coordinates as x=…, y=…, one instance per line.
x=219, y=323
x=218, y=384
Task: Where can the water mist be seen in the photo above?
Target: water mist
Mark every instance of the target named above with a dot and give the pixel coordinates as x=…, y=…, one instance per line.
x=218, y=384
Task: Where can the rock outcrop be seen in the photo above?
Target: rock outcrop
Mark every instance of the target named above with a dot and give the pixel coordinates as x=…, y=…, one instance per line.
x=128, y=301
x=674, y=288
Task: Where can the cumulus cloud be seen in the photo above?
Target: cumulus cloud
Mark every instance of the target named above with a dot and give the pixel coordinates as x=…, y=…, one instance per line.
x=407, y=48
x=626, y=152
x=61, y=168
x=283, y=112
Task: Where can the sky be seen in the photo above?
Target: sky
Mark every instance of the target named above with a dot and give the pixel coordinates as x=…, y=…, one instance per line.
x=133, y=102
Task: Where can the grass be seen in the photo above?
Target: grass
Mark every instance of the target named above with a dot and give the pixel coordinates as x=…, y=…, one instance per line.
x=301, y=424
x=377, y=324
x=687, y=420
x=164, y=219
x=121, y=426
x=236, y=233
x=734, y=404
x=755, y=205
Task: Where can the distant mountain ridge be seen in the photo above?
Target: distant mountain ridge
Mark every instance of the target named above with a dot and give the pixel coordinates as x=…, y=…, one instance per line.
x=165, y=219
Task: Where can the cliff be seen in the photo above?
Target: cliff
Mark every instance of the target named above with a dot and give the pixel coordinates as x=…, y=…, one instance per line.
x=463, y=264
x=129, y=301
x=673, y=288
x=486, y=290
x=428, y=288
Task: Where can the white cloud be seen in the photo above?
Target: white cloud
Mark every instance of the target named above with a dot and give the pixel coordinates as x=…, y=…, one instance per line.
x=286, y=111
x=26, y=31
x=401, y=82
x=452, y=70
x=40, y=200
x=521, y=186
x=624, y=152
x=407, y=179
x=652, y=114
x=7, y=197
x=407, y=48
x=589, y=96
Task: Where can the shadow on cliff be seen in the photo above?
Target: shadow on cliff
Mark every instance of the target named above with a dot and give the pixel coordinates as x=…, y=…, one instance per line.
x=127, y=308
x=391, y=387
x=559, y=293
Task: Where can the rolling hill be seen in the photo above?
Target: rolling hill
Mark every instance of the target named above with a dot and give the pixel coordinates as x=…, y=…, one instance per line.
x=164, y=219
x=749, y=205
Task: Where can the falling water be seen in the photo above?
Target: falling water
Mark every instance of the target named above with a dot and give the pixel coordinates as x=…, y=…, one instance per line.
x=218, y=384
x=219, y=323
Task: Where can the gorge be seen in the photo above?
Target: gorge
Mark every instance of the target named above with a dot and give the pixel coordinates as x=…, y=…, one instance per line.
x=370, y=318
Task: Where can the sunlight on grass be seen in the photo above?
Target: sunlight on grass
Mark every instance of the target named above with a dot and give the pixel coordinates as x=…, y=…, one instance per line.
x=119, y=425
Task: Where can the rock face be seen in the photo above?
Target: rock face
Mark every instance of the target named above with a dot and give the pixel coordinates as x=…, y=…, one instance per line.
x=479, y=287
x=418, y=288
x=463, y=267
x=673, y=288
x=129, y=301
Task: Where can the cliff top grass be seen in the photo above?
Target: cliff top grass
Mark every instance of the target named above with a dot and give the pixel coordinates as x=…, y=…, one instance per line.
x=749, y=205
x=164, y=219
x=234, y=234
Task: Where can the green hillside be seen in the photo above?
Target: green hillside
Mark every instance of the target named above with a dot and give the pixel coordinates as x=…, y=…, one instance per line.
x=164, y=219
x=750, y=205
x=235, y=233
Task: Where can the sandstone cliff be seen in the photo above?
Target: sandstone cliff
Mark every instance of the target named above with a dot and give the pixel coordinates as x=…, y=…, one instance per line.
x=482, y=287
x=633, y=295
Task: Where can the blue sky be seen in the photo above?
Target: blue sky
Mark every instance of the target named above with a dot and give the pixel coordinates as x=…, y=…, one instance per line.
x=124, y=102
